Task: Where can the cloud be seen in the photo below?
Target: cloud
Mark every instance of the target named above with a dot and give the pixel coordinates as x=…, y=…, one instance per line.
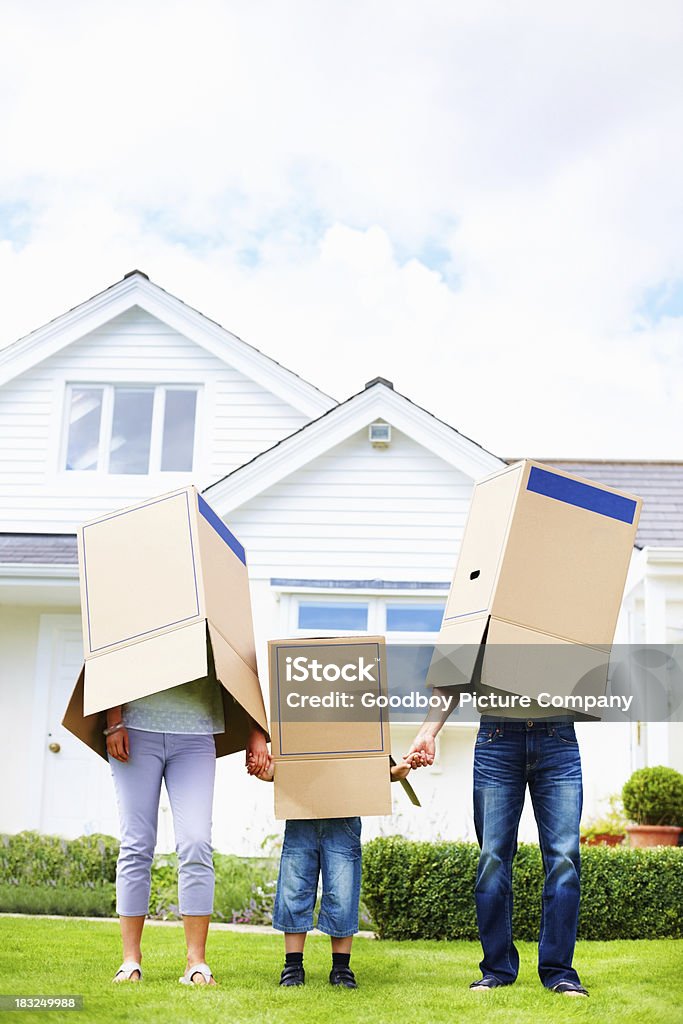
x=478, y=201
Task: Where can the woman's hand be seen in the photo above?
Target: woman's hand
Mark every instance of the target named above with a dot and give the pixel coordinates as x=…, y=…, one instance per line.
x=257, y=755
x=117, y=744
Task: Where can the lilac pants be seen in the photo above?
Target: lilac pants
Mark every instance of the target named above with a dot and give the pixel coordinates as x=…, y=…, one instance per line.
x=187, y=764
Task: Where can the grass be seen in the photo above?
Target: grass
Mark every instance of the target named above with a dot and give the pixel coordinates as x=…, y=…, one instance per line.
x=400, y=981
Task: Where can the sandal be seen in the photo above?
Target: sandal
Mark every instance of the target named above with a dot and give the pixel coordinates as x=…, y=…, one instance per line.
x=127, y=970
x=485, y=984
x=203, y=969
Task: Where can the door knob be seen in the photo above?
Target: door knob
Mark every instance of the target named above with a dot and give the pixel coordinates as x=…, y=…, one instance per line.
x=55, y=748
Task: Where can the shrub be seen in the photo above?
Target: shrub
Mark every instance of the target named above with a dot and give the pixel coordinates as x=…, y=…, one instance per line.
x=241, y=880
x=654, y=796
x=42, y=874
x=48, y=899
x=242, y=888
x=612, y=823
x=49, y=875
x=419, y=890
x=49, y=860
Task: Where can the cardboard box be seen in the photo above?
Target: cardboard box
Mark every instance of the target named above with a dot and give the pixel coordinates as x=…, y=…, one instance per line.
x=330, y=761
x=539, y=582
x=165, y=600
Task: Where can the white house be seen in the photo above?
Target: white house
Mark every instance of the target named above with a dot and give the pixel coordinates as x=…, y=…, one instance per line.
x=134, y=393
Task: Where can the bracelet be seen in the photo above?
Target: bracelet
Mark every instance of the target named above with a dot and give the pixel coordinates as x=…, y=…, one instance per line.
x=113, y=728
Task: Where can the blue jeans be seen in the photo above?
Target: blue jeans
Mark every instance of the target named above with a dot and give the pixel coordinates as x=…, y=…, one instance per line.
x=508, y=756
x=327, y=846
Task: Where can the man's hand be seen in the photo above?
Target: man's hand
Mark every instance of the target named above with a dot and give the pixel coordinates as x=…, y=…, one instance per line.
x=268, y=774
x=117, y=745
x=422, y=752
x=400, y=770
x=257, y=751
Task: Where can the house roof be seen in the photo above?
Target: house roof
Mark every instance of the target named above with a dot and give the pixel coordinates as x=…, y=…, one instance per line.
x=659, y=484
x=38, y=549
x=136, y=289
x=378, y=400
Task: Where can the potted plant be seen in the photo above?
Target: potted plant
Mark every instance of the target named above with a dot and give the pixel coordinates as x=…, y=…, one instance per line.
x=609, y=829
x=653, y=799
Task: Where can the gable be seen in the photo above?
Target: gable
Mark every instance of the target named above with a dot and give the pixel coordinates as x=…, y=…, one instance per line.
x=378, y=401
x=236, y=417
x=358, y=512
x=136, y=290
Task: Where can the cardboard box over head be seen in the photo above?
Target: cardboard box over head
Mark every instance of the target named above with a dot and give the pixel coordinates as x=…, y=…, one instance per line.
x=539, y=583
x=331, y=754
x=164, y=600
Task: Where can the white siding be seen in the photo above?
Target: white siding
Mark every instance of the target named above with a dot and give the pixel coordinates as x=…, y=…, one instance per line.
x=359, y=513
x=18, y=644
x=237, y=418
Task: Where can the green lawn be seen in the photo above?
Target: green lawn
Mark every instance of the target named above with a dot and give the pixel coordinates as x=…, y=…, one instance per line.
x=401, y=982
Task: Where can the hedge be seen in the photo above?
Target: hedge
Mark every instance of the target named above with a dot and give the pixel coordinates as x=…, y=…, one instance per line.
x=36, y=859
x=422, y=890
x=42, y=874
x=412, y=890
x=48, y=875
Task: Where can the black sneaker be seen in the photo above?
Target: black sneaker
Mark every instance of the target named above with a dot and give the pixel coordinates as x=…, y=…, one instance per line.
x=343, y=976
x=293, y=974
x=569, y=988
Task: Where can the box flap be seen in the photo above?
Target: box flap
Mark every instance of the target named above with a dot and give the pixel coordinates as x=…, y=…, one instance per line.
x=530, y=663
x=332, y=788
x=158, y=663
x=410, y=792
x=407, y=788
x=140, y=572
x=238, y=678
x=88, y=728
x=226, y=583
x=454, y=659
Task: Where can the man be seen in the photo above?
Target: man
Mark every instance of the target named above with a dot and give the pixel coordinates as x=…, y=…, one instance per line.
x=510, y=755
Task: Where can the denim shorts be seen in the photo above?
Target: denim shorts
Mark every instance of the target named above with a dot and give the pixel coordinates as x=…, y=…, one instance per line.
x=327, y=846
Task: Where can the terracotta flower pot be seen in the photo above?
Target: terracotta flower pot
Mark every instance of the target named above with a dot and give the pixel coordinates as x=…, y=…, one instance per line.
x=603, y=839
x=653, y=835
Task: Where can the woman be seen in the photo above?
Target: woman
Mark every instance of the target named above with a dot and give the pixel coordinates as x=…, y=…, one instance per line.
x=169, y=736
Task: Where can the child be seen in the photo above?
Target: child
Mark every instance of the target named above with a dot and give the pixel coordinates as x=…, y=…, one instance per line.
x=330, y=846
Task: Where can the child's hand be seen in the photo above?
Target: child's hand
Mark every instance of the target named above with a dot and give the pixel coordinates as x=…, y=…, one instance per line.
x=268, y=773
x=400, y=770
x=257, y=751
x=419, y=758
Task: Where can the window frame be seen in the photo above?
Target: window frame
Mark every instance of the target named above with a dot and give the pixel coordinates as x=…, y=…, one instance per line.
x=106, y=424
x=377, y=608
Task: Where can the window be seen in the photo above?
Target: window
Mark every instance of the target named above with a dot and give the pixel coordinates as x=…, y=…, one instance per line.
x=84, y=428
x=341, y=615
x=410, y=624
x=403, y=620
x=130, y=429
x=414, y=618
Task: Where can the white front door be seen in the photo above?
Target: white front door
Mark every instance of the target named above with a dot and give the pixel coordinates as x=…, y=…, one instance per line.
x=75, y=795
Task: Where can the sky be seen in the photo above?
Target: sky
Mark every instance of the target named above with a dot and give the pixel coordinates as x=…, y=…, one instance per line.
x=479, y=201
